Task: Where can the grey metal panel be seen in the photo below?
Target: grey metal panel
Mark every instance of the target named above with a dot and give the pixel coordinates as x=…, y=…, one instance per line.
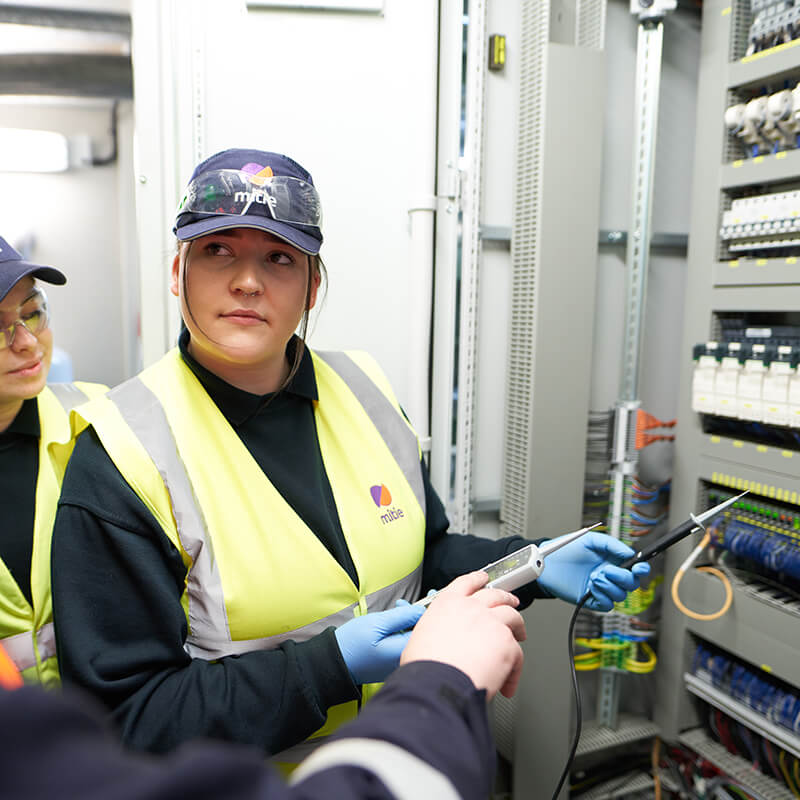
x=758, y=633
x=755, y=272
x=781, y=166
x=776, y=66
x=777, y=462
x=554, y=252
x=752, y=629
x=544, y=717
x=717, y=470
x=749, y=298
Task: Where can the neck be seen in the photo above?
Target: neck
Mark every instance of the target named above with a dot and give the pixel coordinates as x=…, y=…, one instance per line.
x=8, y=413
x=259, y=379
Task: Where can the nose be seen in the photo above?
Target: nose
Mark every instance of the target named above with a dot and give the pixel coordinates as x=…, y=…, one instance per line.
x=22, y=338
x=248, y=279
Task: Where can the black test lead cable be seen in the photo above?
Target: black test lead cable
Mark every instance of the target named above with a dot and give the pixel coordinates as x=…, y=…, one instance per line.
x=576, y=690
x=662, y=543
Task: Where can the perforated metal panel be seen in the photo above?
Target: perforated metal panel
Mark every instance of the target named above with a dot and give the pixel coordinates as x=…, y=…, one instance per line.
x=524, y=263
x=503, y=712
x=736, y=767
x=590, y=24
x=741, y=18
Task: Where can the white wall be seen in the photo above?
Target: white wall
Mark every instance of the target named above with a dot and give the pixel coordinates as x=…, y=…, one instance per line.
x=352, y=97
x=74, y=218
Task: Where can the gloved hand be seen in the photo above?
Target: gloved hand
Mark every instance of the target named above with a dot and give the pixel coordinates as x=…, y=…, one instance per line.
x=589, y=565
x=371, y=645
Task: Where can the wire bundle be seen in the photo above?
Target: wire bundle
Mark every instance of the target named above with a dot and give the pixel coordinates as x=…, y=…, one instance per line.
x=764, y=695
x=764, y=756
x=617, y=646
x=777, y=551
x=639, y=496
x=624, y=653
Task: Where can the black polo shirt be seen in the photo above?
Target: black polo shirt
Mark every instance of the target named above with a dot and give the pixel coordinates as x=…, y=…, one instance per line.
x=19, y=470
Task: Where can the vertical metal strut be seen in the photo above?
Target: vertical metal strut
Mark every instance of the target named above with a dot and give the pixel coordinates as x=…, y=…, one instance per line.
x=475, y=79
x=624, y=457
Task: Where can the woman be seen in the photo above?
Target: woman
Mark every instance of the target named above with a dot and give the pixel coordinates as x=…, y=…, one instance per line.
x=35, y=443
x=232, y=514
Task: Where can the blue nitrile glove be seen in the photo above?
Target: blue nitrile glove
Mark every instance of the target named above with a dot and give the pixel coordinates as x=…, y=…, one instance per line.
x=371, y=645
x=589, y=565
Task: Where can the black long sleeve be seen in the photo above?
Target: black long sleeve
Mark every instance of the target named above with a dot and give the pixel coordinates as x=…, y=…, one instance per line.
x=120, y=627
x=55, y=745
x=448, y=555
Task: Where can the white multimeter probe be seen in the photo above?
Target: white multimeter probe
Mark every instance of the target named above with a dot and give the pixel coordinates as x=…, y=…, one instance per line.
x=522, y=566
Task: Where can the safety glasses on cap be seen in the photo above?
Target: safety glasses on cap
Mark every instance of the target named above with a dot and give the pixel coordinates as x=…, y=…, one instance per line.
x=31, y=314
x=236, y=193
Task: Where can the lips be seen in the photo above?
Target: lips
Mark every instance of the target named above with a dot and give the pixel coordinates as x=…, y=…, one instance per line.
x=242, y=315
x=29, y=367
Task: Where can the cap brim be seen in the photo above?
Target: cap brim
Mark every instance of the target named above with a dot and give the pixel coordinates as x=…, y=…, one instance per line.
x=302, y=241
x=15, y=271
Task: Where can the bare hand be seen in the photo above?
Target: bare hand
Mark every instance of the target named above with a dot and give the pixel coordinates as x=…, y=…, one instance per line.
x=474, y=629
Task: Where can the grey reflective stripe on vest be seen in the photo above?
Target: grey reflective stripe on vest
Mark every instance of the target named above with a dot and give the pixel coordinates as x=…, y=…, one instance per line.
x=209, y=633
x=68, y=394
x=392, y=427
x=404, y=774
x=20, y=647
x=212, y=647
x=146, y=417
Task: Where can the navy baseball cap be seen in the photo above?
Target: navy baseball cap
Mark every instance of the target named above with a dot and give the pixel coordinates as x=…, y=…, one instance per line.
x=13, y=267
x=291, y=213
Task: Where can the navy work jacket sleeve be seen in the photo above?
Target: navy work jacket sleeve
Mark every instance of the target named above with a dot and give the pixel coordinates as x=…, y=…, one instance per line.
x=53, y=745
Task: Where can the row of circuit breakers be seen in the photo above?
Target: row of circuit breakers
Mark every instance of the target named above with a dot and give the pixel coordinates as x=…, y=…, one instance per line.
x=755, y=381
x=774, y=23
x=767, y=123
x=766, y=222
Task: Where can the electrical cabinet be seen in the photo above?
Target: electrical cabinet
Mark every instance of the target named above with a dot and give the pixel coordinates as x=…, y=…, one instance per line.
x=735, y=430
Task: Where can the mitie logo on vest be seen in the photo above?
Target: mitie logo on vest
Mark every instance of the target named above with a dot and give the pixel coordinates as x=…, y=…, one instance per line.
x=382, y=497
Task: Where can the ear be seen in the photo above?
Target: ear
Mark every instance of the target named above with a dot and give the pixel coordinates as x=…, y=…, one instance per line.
x=175, y=276
x=315, y=281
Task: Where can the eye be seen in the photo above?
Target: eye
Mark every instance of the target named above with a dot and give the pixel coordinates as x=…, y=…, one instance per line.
x=280, y=257
x=217, y=249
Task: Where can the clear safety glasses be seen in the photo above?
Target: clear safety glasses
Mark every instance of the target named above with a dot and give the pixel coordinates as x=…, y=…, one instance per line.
x=31, y=314
x=236, y=193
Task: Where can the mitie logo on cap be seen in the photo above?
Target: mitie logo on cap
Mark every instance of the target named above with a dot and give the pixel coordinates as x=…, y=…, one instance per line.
x=258, y=176
x=382, y=497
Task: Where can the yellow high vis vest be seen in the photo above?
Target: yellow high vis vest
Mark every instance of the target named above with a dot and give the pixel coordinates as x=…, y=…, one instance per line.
x=26, y=632
x=257, y=576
